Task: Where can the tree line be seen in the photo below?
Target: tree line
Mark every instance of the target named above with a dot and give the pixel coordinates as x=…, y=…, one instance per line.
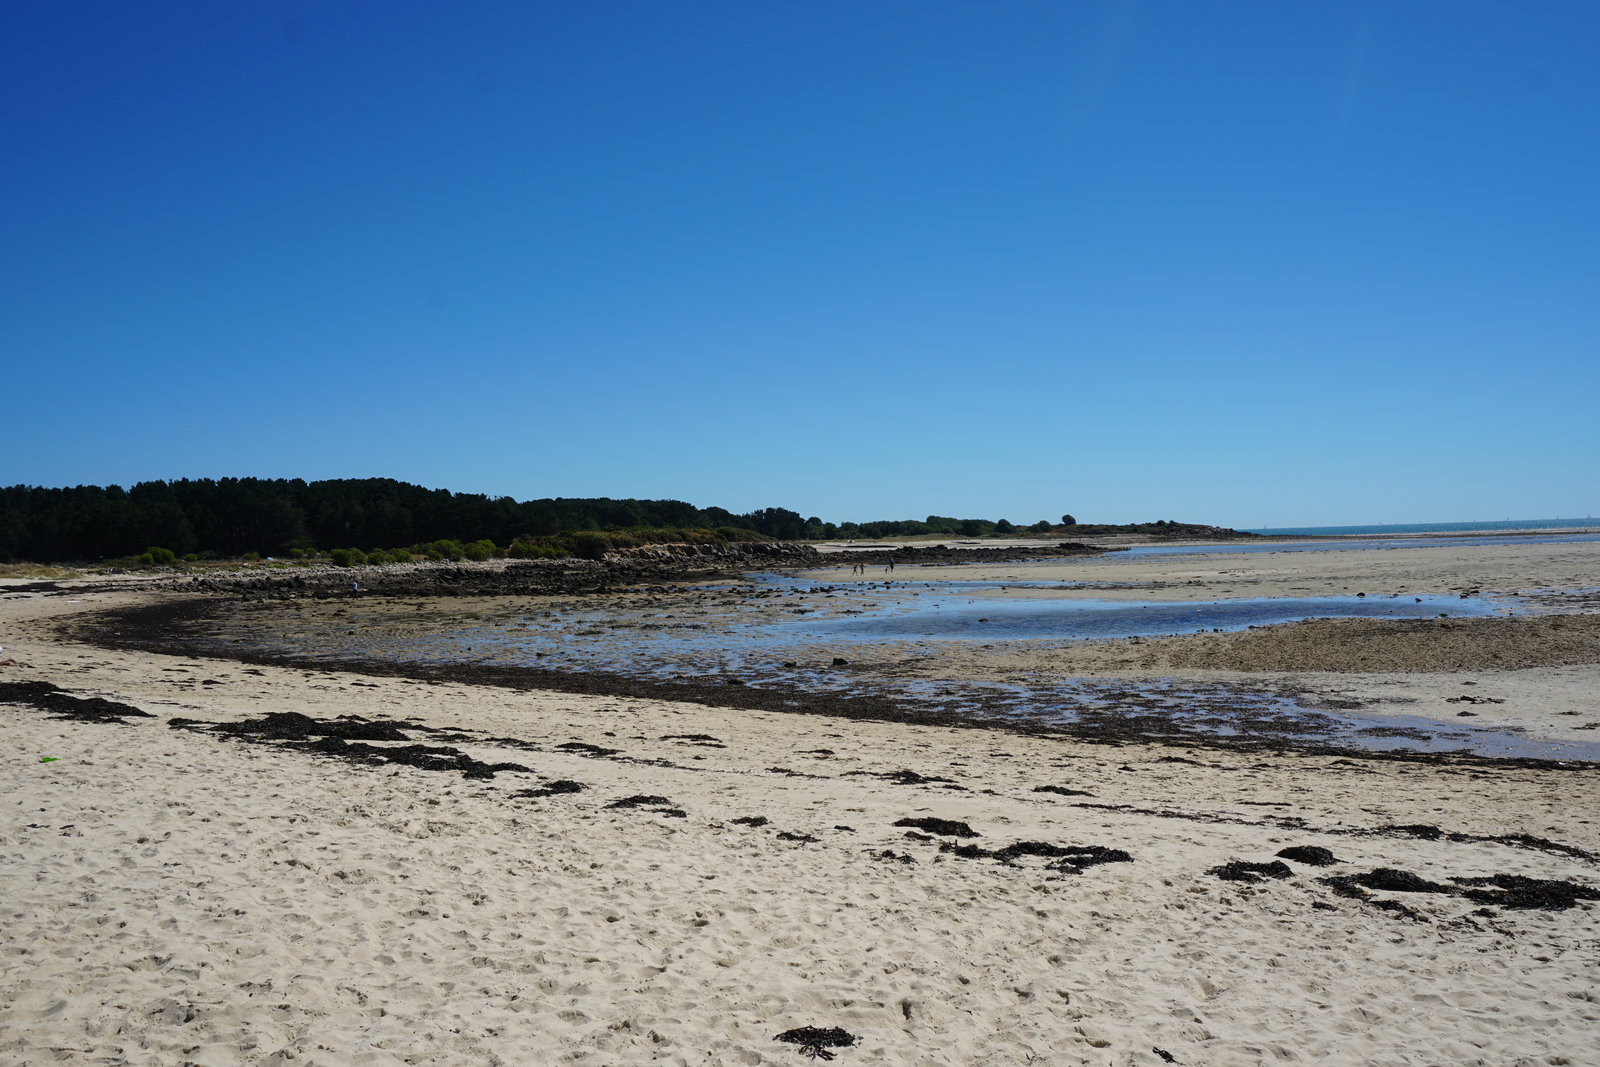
x=229, y=517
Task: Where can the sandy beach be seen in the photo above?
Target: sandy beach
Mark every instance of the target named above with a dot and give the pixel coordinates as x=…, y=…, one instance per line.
x=677, y=882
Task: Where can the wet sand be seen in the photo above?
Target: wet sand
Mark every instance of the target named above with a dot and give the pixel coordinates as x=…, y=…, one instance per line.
x=1436, y=569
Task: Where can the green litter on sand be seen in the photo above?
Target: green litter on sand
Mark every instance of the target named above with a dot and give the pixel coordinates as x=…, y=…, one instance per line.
x=48, y=759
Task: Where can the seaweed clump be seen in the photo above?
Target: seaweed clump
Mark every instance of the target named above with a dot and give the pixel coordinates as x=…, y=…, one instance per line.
x=555, y=788
x=947, y=827
x=815, y=1042
x=1074, y=859
x=656, y=804
x=47, y=696
x=1311, y=855
x=1240, y=871
x=1513, y=891
x=345, y=738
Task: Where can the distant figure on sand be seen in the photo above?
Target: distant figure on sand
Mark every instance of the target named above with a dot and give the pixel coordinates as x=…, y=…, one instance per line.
x=7, y=661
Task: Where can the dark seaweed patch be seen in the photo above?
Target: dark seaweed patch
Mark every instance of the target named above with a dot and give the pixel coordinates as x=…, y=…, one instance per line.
x=908, y=777
x=1394, y=881
x=1061, y=791
x=293, y=730
x=1074, y=859
x=1509, y=890
x=912, y=778
x=1311, y=855
x=1540, y=843
x=1396, y=907
x=947, y=827
x=46, y=696
x=293, y=726
x=815, y=1042
x=804, y=839
x=1418, y=830
x=585, y=749
x=555, y=788
x=890, y=856
x=1519, y=892
x=1084, y=856
x=1240, y=871
x=422, y=757
x=1296, y=823
x=640, y=800
x=751, y=820
x=704, y=740
x=1035, y=848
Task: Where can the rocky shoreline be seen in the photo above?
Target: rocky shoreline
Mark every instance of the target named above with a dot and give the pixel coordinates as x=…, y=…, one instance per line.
x=940, y=554
x=646, y=565
x=650, y=565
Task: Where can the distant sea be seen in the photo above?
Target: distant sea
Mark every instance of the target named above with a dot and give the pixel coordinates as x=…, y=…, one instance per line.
x=1432, y=527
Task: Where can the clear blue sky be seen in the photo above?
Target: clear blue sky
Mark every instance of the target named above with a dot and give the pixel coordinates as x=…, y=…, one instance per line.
x=1251, y=263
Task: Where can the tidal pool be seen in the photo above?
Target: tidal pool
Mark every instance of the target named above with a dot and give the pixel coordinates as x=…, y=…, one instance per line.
x=796, y=640
x=948, y=613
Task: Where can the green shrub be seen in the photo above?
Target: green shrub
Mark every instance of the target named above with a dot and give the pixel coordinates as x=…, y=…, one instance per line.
x=446, y=549
x=480, y=550
x=161, y=556
x=192, y=557
x=732, y=533
x=348, y=557
x=529, y=548
x=590, y=544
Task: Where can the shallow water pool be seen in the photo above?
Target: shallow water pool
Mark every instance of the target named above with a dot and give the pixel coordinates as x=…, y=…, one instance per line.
x=952, y=616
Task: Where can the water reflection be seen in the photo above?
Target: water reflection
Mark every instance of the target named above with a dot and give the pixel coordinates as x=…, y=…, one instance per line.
x=947, y=614
x=745, y=640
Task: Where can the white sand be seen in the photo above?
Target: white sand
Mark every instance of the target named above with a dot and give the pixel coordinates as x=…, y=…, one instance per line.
x=169, y=897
